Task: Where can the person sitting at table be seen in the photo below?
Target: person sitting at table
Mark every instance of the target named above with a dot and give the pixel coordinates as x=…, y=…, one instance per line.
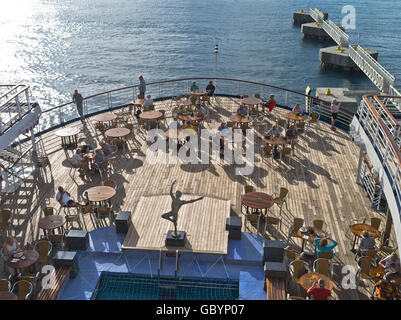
x=291, y=136
x=80, y=160
x=297, y=109
x=274, y=131
x=194, y=87
x=199, y=110
x=10, y=247
x=270, y=104
x=106, y=148
x=391, y=265
x=384, y=290
x=322, y=246
x=319, y=292
x=242, y=111
x=147, y=103
x=99, y=158
x=64, y=198
x=210, y=90
x=223, y=126
x=367, y=243
x=174, y=125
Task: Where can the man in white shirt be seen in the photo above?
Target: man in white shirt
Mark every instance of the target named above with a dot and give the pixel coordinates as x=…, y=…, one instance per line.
x=147, y=103
x=63, y=197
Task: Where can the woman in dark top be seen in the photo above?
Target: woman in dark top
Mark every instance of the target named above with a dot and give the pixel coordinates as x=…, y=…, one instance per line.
x=291, y=136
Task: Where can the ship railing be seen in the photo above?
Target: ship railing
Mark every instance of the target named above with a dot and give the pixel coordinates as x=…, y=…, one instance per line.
x=377, y=128
x=166, y=89
x=14, y=105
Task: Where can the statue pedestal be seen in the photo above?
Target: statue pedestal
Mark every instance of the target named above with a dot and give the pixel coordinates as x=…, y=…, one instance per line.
x=178, y=241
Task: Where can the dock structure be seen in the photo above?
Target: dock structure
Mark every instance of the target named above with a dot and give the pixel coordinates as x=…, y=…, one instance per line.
x=338, y=57
x=342, y=95
x=303, y=16
x=314, y=30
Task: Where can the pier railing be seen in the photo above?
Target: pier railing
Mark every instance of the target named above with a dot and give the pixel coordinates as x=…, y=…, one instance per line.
x=339, y=36
x=373, y=69
x=378, y=123
x=164, y=90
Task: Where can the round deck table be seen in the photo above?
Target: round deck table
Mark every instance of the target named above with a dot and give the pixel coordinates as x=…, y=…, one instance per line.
x=292, y=116
x=99, y=194
x=251, y=101
x=117, y=132
x=358, y=228
x=237, y=119
x=259, y=201
x=308, y=237
x=6, y=295
x=137, y=103
x=68, y=136
x=199, y=93
x=277, y=141
x=31, y=257
x=150, y=115
x=306, y=280
x=190, y=118
x=51, y=222
x=105, y=117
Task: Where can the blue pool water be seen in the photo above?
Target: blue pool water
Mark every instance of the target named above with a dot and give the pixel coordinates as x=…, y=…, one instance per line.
x=96, y=45
x=128, y=286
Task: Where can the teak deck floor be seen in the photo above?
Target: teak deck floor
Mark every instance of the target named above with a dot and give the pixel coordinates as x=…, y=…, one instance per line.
x=321, y=179
x=203, y=221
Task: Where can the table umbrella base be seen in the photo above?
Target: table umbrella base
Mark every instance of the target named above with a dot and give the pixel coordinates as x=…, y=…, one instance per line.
x=173, y=240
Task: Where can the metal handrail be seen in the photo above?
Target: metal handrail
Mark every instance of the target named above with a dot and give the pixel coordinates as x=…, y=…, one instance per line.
x=391, y=147
x=388, y=114
x=121, y=95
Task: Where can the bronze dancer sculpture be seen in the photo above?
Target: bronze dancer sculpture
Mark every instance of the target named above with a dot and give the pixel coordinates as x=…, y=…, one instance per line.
x=175, y=207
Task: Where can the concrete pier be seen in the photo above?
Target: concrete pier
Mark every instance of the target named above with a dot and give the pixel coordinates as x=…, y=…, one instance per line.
x=314, y=30
x=300, y=17
x=341, y=95
x=332, y=57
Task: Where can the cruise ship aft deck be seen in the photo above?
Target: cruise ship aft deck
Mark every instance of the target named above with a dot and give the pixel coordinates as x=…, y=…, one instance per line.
x=321, y=178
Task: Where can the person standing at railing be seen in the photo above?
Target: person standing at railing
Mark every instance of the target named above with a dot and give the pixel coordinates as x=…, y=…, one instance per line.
x=77, y=98
x=142, y=87
x=335, y=107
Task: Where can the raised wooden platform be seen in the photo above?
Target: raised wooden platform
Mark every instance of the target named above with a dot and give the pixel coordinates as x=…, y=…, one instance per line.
x=203, y=221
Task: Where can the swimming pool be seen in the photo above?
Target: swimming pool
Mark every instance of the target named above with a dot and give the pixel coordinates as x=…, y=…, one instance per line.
x=129, y=286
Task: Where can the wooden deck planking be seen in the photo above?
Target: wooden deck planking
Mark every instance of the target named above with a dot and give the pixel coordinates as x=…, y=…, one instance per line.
x=320, y=177
x=203, y=221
